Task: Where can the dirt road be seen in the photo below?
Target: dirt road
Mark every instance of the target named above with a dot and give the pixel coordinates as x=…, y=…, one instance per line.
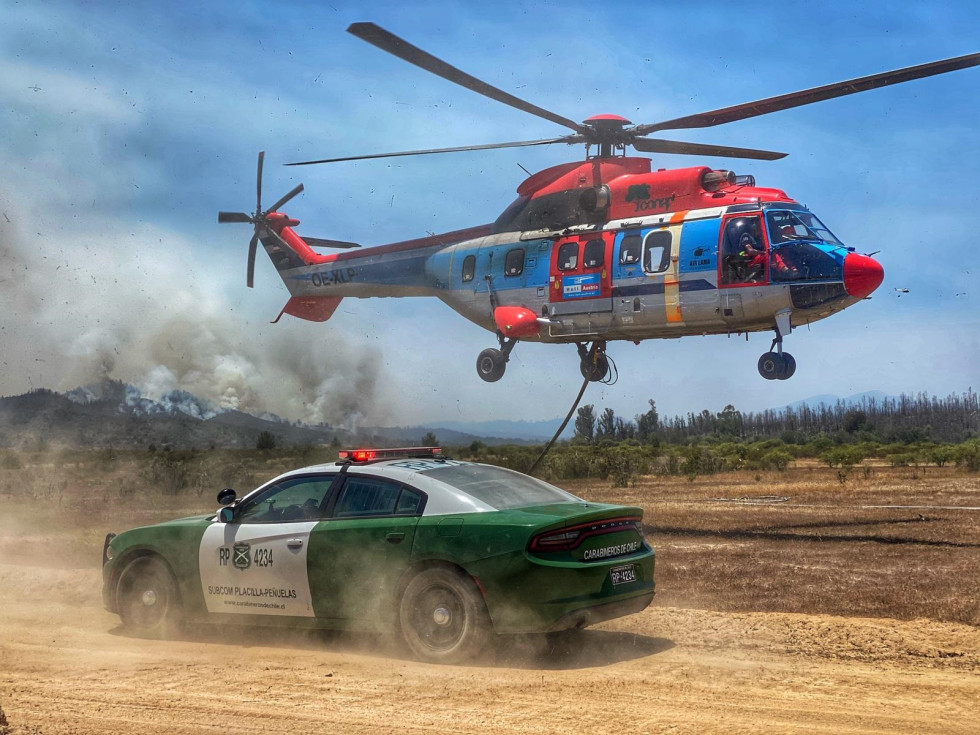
x=66, y=667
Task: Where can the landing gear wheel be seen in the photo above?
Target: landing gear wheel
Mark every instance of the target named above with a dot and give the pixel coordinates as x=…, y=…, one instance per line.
x=442, y=616
x=790, y=366
x=595, y=368
x=771, y=365
x=147, y=597
x=490, y=365
x=777, y=366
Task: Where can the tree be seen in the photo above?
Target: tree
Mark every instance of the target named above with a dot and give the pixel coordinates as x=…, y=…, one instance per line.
x=585, y=424
x=265, y=440
x=647, y=424
x=429, y=440
x=606, y=426
x=730, y=421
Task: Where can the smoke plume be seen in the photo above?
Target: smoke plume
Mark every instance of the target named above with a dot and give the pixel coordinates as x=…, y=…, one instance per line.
x=151, y=309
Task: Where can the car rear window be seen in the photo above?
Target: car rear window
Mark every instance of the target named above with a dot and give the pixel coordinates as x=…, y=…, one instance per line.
x=499, y=488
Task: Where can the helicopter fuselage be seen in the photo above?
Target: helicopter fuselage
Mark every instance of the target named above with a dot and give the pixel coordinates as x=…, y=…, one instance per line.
x=607, y=250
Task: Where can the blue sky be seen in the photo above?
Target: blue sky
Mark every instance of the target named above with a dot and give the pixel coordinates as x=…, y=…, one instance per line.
x=126, y=126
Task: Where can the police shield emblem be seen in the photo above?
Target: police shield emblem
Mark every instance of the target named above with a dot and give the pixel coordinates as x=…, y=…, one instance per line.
x=241, y=557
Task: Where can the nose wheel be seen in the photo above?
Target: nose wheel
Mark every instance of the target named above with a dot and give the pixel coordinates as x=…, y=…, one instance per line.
x=491, y=363
x=776, y=364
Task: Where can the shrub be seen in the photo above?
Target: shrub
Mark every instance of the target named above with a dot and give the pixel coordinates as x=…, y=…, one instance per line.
x=776, y=459
x=265, y=440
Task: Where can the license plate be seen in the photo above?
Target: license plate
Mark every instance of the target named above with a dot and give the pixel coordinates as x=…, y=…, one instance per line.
x=622, y=575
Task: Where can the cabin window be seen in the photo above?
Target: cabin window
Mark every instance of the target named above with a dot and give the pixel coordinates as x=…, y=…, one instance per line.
x=594, y=254
x=568, y=256
x=630, y=249
x=469, y=268
x=514, y=262
x=656, y=257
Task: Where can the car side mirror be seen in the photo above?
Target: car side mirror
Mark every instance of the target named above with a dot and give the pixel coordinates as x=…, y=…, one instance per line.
x=226, y=496
x=226, y=514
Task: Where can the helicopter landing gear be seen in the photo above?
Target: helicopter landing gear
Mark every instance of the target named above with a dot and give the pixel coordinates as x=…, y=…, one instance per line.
x=776, y=364
x=491, y=363
x=594, y=363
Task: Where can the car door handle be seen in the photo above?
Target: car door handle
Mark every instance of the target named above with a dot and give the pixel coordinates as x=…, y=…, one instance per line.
x=394, y=538
x=295, y=543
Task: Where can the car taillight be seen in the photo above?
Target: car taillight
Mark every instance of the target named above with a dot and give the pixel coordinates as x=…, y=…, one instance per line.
x=565, y=539
x=560, y=541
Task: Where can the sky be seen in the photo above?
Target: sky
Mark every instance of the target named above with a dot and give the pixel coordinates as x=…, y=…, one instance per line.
x=126, y=127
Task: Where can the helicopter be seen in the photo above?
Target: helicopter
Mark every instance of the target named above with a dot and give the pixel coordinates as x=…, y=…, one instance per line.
x=605, y=248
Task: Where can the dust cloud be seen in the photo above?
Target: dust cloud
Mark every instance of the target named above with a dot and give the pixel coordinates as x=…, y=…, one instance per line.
x=152, y=309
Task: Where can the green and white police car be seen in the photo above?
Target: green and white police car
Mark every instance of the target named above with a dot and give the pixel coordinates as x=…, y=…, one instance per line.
x=446, y=553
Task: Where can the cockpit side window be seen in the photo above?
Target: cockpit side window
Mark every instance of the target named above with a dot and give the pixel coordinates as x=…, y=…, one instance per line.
x=743, y=251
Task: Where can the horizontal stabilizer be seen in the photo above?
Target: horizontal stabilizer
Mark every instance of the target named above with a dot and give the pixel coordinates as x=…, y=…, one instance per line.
x=311, y=308
x=319, y=242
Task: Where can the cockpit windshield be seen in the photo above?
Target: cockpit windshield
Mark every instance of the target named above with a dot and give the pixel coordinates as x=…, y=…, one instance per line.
x=788, y=225
x=802, y=248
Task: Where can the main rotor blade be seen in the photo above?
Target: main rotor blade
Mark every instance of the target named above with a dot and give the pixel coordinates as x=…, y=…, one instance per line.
x=224, y=217
x=250, y=278
x=517, y=144
x=655, y=145
x=275, y=207
x=258, y=184
x=809, y=96
x=391, y=43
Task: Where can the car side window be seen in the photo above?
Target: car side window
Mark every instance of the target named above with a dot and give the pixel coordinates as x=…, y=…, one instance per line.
x=514, y=262
x=295, y=499
x=369, y=496
x=469, y=268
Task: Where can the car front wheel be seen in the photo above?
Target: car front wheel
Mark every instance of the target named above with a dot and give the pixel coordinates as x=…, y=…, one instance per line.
x=442, y=616
x=147, y=597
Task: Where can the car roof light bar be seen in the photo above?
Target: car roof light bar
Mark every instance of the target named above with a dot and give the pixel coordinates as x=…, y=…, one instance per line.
x=374, y=455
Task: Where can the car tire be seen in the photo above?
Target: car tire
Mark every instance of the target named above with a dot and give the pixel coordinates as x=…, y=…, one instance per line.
x=147, y=597
x=442, y=616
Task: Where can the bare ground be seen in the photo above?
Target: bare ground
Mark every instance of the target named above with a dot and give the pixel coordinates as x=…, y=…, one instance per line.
x=700, y=660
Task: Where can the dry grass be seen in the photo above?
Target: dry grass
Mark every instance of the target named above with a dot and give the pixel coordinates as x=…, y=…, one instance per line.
x=800, y=541
x=818, y=551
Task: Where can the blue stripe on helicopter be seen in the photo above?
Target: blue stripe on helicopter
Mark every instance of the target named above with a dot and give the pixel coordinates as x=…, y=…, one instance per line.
x=652, y=289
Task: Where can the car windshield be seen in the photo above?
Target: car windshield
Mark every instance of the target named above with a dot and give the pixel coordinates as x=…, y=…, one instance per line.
x=499, y=488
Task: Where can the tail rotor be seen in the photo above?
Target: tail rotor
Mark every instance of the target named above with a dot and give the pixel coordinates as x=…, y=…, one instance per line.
x=258, y=219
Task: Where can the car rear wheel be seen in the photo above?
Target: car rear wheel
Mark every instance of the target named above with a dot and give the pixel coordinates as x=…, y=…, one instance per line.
x=147, y=597
x=442, y=616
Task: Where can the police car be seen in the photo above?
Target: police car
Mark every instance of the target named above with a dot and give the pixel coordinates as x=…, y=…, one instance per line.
x=446, y=553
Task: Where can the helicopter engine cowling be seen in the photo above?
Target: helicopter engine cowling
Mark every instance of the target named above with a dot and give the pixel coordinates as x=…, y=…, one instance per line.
x=516, y=321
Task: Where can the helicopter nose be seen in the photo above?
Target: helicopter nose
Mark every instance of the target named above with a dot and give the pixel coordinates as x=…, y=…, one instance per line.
x=862, y=275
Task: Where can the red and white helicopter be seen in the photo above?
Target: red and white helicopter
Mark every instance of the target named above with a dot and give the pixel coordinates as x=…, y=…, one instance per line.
x=604, y=248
